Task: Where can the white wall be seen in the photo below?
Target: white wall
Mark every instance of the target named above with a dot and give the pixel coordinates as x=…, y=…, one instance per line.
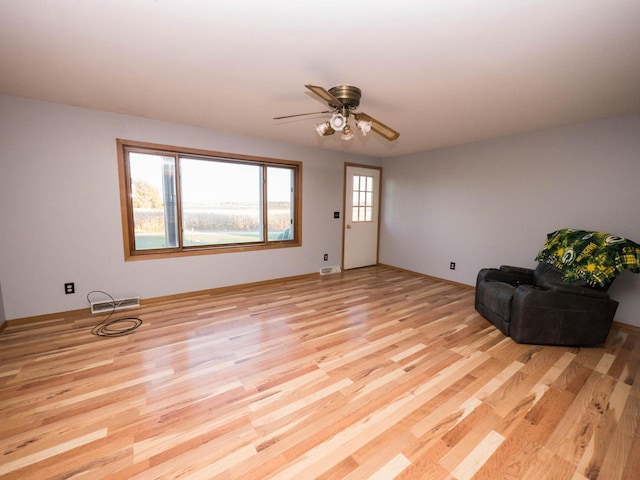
x=479, y=205
x=60, y=210
x=492, y=203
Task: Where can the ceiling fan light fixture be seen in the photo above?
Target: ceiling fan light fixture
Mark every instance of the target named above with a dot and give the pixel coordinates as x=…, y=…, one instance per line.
x=347, y=133
x=324, y=129
x=343, y=100
x=364, y=126
x=338, y=122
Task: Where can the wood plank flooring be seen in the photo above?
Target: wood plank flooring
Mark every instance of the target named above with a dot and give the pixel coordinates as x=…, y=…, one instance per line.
x=368, y=374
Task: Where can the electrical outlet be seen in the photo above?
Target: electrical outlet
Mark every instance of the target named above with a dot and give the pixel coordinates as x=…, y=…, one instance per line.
x=69, y=288
x=452, y=265
x=326, y=257
x=336, y=214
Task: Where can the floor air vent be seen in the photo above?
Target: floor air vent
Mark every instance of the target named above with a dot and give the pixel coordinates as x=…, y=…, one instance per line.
x=106, y=306
x=328, y=270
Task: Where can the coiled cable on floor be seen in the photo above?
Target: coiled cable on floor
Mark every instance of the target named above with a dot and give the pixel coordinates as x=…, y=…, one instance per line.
x=116, y=327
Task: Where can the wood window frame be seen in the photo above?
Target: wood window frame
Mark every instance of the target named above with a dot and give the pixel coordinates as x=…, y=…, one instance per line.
x=126, y=204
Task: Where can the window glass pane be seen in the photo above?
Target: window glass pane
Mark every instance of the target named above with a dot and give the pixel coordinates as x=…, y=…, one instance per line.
x=369, y=184
x=221, y=202
x=368, y=216
x=279, y=203
x=153, y=196
x=369, y=199
x=356, y=183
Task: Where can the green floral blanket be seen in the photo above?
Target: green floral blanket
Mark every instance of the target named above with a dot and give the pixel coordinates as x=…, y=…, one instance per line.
x=595, y=257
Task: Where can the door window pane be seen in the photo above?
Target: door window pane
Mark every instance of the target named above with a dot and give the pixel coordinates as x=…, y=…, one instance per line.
x=362, y=199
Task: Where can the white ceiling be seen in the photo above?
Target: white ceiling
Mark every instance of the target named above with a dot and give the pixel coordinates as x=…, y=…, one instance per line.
x=441, y=72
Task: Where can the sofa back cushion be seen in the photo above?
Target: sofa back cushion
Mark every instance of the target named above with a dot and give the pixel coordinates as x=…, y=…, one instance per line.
x=550, y=275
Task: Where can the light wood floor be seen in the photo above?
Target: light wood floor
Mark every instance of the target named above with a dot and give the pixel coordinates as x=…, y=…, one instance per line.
x=373, y=373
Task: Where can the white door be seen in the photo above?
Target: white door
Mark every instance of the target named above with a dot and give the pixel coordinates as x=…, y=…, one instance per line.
x=361, y=216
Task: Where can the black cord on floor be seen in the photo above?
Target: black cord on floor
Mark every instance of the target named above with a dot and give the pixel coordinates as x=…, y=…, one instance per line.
x=116, y=327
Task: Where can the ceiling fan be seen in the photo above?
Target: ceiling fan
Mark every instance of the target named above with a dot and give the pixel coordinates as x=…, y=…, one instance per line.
x=344, y=101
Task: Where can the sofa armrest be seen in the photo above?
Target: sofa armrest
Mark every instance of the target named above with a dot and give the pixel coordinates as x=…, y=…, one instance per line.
x=549, y=317
x=517, y=270
x=516, y=277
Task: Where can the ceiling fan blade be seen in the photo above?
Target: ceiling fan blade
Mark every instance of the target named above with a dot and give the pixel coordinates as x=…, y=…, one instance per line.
x=378, y=127
x=325, y=95
x=302, y=114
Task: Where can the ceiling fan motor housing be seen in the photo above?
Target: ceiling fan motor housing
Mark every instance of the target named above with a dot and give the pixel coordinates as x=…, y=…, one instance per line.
x=347, y=94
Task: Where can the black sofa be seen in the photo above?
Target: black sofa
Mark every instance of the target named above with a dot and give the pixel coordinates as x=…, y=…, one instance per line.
x=539, y=307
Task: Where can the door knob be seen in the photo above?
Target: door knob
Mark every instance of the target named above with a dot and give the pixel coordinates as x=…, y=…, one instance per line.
x=348, y=226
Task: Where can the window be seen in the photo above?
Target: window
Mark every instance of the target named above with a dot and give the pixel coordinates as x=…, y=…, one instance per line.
x=362, y=199
x=178, y=201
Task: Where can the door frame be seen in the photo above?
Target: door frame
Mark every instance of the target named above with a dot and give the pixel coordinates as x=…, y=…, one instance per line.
x=344, y=206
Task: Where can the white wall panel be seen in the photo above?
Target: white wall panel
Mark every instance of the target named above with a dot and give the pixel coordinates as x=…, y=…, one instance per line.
x=492, y=203
x=60, y=210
